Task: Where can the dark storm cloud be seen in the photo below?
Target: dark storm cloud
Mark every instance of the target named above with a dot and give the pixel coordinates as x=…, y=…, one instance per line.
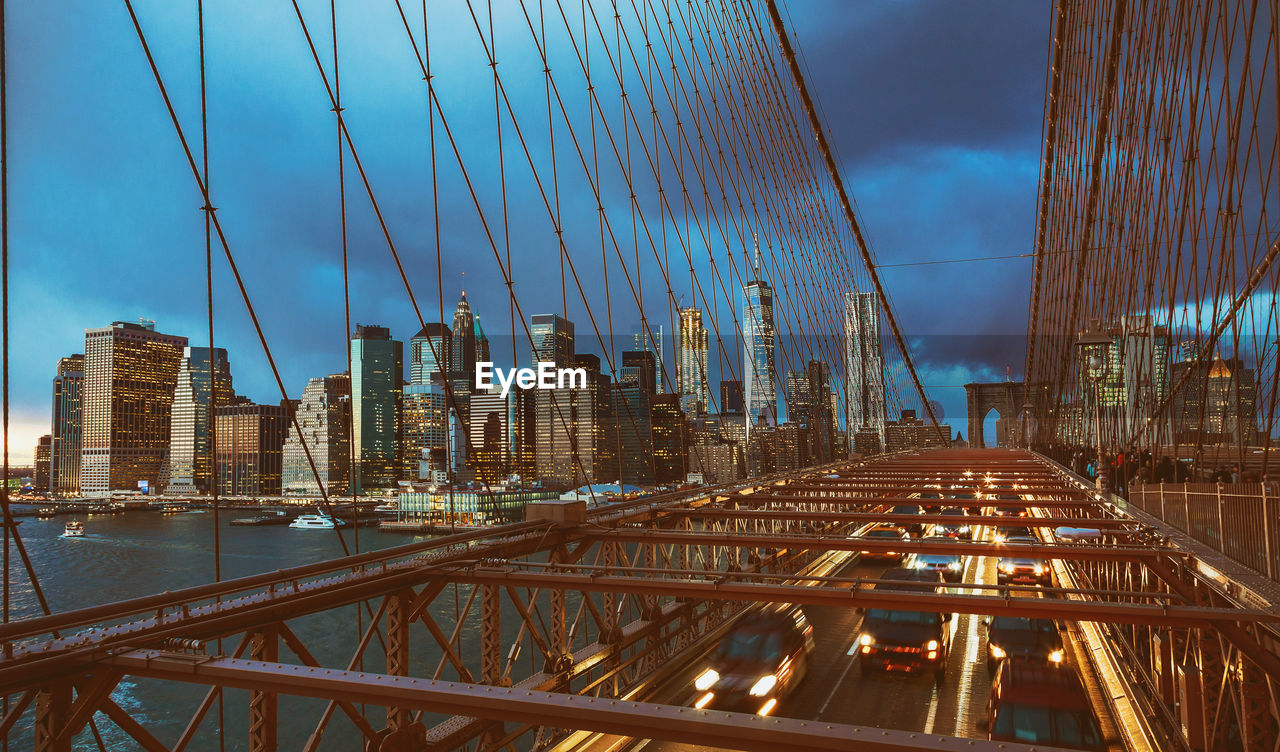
x=894, y=76
x=933, y=108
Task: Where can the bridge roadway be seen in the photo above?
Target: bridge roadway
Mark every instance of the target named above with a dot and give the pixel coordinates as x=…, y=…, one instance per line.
x=686, y=560
x=837, y=690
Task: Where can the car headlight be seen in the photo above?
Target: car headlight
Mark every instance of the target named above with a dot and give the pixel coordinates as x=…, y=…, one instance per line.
x=865, y=640
x=964, y=528
x=1039, y=570
x=953, y=565
x=1006, y=567
x=999, y=538
x=1056, y=656
x=764, y=685
x=931, y=645
x=997, y=652
x=706, y=680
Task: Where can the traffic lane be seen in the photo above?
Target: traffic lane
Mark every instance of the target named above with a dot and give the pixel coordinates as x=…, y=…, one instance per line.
x=917, y=702
x=834, y=631
x=838, y=690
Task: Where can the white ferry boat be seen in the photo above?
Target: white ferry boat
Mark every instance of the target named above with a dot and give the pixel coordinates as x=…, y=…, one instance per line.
x=73, y=529
x=319, y=521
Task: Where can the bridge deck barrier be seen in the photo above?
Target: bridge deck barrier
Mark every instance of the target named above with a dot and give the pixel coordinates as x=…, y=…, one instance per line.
x=1240, y=520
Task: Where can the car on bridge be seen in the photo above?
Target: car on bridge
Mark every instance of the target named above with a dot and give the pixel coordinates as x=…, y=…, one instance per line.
x=912, y=528
x=883, y=532
x=1022, y=569
x=1007, y=497
x=930, y=497
x=1035, y=703
x=950, y=566
x=960, y=528
x=1005, y=534
x=907, y=641
x=758, y=663
x=1017, y=637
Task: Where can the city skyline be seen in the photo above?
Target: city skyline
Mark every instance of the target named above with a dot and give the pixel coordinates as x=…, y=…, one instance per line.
x=887, y=160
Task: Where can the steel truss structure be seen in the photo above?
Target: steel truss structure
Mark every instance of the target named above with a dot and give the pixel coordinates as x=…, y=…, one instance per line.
x=609, y=611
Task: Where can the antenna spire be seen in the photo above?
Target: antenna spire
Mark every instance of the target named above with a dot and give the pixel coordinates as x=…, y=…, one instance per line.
x=755, y=237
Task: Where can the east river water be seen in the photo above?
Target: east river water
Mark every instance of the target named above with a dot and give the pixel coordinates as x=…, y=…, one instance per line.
x=139, y=553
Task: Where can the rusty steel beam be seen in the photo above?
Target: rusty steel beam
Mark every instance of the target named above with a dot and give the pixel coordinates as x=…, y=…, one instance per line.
x=715, y=513
x=852, y=500
x=636, y=719
x=726, y=588
x=794, y=488
x=905, y=545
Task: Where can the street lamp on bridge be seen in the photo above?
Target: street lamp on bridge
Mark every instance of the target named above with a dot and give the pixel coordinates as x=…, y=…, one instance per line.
x=1095, y=347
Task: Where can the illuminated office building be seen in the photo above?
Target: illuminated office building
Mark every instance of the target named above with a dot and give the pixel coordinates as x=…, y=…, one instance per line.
x=667, y=424
x=552, y=409
x=489, y=435
x=759, y=374
x=424, y=426
x=577, y=443
x=691, y=358
x=429, y=354
x=552, y=339
x=249, y=457
x=43, y=446
x=462, y=357
x=200, y=392
x=68, y=418
x=651, y=341
x=323, y=421
x=377, y=375
x=864, y=367
x=129, y=378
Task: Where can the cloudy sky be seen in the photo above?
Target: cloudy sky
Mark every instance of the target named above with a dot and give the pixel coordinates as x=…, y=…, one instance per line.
x=933, y=107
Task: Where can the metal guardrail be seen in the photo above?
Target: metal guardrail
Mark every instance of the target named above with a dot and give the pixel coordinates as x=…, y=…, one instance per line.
x=1240, y=520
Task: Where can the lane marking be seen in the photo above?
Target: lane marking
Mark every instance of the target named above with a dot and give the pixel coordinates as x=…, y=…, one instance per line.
x=839, y=682
x=965, y=696
x=933, y=710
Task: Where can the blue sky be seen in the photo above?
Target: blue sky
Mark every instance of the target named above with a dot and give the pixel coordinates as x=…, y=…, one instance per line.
x=933, y=107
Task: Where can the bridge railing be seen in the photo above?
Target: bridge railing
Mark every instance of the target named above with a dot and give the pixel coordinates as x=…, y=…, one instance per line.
x=1241, y=520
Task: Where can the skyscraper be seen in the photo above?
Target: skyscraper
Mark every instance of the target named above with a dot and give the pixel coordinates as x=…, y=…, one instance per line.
x=1217, y=403
x=462, y=358
x=691, y=357
x=489, y=435
x=820, y=423
x=552, y=339
x=759, y=374
x=668, y=426
x=639, y=367
x=864, y=366
x=198, y=395
x=377, y=377
x=632, y=403
x=796, y=397
x=64, y=451
x=580, y=440
x=130, y=374
x=482, y=343
x=424, y=426
x=553, y=409
x=731, y=397
x=429, y=354
x=249, y=458
x=43, y=446
x=323, y=416
x=651, y=341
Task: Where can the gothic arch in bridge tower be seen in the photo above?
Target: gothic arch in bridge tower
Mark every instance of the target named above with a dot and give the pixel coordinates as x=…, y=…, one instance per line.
x=1003, y=397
